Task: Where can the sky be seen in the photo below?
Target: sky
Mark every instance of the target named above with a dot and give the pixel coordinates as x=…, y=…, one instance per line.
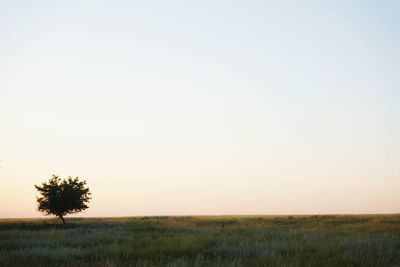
x=202, y=107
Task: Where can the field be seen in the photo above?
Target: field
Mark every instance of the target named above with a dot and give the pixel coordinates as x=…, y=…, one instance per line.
x=370, y=240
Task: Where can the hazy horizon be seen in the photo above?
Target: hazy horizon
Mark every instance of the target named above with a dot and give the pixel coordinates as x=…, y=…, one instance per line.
x=205, y=108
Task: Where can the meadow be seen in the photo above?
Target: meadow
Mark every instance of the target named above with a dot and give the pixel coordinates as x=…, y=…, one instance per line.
x=345, y=240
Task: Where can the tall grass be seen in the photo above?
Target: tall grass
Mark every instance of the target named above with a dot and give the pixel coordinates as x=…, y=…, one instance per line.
x=203, y=241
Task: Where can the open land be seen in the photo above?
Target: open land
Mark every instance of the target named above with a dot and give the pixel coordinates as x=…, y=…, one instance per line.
x=324, y=240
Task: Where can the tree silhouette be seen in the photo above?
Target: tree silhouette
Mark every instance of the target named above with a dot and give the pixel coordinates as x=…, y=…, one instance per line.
x=62, y=197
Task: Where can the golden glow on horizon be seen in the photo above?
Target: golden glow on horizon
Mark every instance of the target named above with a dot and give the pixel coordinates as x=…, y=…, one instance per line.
x=166, y=113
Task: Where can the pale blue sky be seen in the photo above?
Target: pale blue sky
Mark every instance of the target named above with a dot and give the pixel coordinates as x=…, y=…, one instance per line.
x=207, y=107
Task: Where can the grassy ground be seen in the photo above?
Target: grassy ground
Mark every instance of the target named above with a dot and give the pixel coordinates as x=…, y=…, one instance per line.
x=203, y=241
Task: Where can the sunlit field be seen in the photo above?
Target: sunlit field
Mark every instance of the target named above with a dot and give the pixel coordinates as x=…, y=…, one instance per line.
x=203, y=241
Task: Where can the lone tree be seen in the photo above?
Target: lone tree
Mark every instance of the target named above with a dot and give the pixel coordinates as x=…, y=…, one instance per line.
x=62, y=197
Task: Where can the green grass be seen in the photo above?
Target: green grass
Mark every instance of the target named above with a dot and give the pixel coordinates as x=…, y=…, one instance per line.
x=372, y=240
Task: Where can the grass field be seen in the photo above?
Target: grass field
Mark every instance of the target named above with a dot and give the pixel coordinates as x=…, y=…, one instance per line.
x=372, y=240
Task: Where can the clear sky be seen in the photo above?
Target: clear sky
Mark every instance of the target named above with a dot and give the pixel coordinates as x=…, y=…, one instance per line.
x=202, y=107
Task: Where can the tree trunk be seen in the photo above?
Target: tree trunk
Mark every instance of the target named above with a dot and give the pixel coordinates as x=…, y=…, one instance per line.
x=62, y=219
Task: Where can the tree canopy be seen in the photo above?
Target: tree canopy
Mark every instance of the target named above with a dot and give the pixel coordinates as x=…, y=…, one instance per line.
x=62, y=197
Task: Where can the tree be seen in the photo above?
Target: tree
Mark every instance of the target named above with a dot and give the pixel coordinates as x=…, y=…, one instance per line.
x=62, y=197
